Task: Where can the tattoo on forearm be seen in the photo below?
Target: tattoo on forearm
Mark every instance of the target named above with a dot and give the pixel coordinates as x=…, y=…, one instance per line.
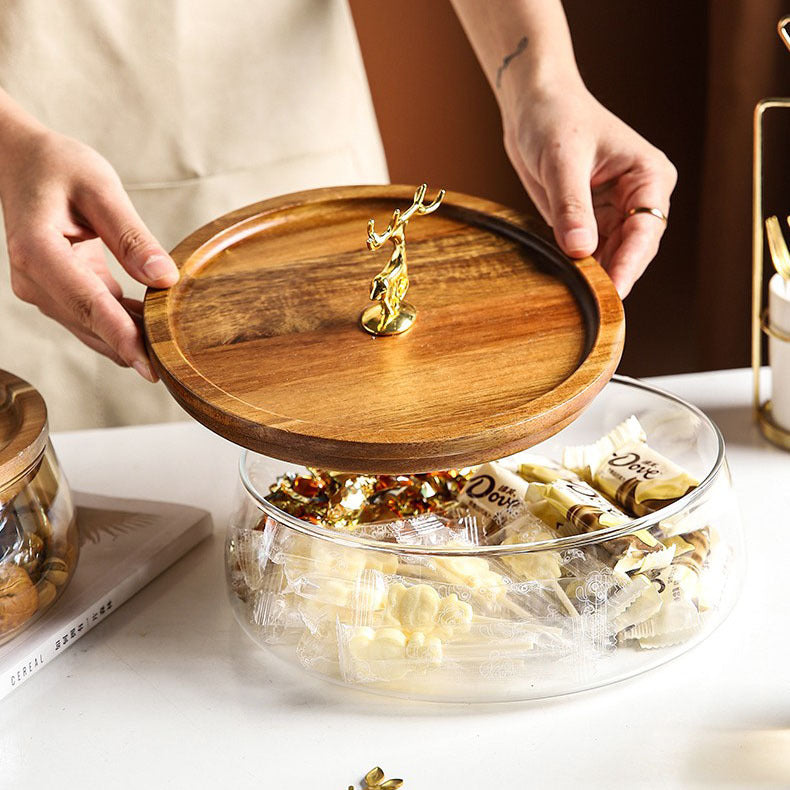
x=506, y=61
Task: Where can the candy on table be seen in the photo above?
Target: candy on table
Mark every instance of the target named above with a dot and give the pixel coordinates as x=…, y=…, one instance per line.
x=630, y=472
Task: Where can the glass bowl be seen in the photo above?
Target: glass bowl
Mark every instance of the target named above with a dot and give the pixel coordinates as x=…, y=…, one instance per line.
x=491, y=622
x=39, y=543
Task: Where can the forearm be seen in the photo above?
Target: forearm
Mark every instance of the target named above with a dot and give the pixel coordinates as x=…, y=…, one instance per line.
x=14, y=120
x=524, y=47
x=16, y=127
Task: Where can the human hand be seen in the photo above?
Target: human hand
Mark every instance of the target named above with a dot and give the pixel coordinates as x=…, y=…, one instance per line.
x=585, y=169
x=61, y=200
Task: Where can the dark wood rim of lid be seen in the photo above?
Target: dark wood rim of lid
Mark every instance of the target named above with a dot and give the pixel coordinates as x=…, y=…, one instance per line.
x=23, y=428
x=547, y=415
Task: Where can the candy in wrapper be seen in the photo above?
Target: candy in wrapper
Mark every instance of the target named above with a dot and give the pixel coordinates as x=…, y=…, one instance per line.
x=535, y=565
x=422, y=608
x=344, y=501
x=582, y=506
x=495, y=495
x=630, y=472
x=539, y=469
x=642, y=608
x=699, y=548
x=474, y=573
x=424, y=530
x=678, y=618
x=273, y=611
x=696, y=559
x=615, y=598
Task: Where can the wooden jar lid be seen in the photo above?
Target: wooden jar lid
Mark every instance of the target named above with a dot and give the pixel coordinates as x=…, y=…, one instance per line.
x=260, y=338
x=23, y=430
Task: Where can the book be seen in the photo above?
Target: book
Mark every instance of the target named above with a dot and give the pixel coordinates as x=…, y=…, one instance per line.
x=124, y=544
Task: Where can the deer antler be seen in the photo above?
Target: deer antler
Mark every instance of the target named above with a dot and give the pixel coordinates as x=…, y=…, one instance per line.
x=375, y=240
x=431, y=207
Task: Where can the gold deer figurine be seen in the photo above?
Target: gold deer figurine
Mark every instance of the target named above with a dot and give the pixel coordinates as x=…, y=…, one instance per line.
x=391, y=315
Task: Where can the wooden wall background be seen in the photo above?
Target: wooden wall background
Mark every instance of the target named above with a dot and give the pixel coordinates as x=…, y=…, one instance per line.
x=649, y=63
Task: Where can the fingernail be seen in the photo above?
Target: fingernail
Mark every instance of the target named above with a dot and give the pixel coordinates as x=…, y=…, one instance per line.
x=144, y=369
x=578, y=241
x=159, y=268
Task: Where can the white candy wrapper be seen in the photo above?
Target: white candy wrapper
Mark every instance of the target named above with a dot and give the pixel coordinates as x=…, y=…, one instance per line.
x=272, y=609
x=540, y=469
x=495, y=495
x=424, y=530
x=579, y=504
x=630, y=472
x=678, y=619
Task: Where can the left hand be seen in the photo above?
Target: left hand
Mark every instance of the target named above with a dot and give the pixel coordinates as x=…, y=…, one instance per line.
x=585, y=169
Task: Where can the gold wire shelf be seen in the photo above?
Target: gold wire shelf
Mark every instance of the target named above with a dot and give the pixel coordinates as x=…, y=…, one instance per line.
x=761, y=323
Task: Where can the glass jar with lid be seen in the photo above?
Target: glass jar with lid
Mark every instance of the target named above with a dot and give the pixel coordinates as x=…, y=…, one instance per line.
x=508, y=345
x=39, y=543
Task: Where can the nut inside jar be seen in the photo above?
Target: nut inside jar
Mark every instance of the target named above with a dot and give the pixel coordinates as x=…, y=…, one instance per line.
x=39, y=545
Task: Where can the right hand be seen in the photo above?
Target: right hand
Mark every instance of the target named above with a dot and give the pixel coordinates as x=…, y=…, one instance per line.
x=61, y=200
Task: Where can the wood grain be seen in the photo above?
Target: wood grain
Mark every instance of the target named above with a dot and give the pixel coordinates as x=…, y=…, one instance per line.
x=259, y=339
x=23, y=433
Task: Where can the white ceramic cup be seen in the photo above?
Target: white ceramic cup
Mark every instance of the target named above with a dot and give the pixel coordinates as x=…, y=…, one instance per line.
x=779, y=350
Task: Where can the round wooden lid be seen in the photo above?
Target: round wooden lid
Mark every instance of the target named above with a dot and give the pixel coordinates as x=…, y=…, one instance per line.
x=23, y=430
x=260, y=339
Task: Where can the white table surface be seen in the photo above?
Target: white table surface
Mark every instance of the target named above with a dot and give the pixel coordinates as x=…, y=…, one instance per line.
x=169, y=692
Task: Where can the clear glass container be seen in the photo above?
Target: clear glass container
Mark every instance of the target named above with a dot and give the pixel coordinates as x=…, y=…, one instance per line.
x=39, y=543
x=471, y=623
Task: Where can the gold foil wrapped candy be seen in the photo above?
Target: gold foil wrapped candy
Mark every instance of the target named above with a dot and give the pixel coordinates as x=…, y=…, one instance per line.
x=343, y=501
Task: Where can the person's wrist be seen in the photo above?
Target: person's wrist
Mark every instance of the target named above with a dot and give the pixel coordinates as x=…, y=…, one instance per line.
x=536, y=82
x=17, y=138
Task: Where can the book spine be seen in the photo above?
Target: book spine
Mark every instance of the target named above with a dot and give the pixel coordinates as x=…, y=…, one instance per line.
x=55, y=644
x=58, y=641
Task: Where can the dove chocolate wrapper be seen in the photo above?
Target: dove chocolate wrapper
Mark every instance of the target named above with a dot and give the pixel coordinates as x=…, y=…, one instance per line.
x=494, y=495
x=588, y=511
x=630, y=472
x=540, y=469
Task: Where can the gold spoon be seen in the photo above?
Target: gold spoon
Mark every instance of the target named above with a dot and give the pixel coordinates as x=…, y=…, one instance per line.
x=780, y=255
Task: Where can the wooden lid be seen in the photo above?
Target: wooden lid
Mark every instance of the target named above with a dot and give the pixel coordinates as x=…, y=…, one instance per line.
x=23, y=430
x=260, y=338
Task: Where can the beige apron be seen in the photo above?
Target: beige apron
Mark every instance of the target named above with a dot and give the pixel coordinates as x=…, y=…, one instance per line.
x=202, y=106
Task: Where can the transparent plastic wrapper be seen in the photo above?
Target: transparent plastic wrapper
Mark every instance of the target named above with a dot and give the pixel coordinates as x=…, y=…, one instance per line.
x=555, y=591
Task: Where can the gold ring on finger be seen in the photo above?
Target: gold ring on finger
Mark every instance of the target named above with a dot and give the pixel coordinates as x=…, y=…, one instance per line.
x=654, y=212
